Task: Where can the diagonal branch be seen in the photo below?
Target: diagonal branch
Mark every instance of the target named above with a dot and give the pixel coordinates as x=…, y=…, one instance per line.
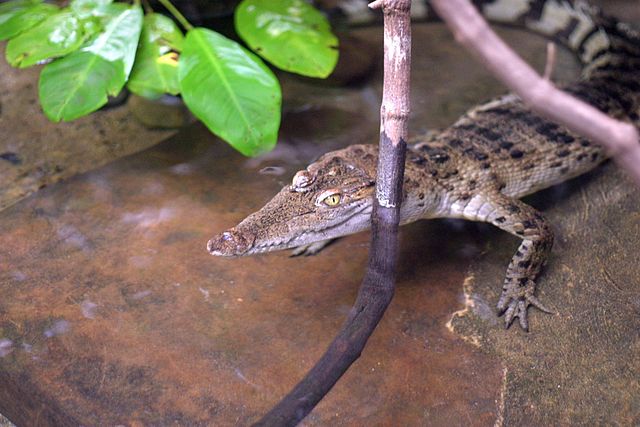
x=473, y=32
x=377, y=288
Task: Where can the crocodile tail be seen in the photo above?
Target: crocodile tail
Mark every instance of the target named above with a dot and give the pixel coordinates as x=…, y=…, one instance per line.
x=608, y=49
x=576, y=24
x=596, y=39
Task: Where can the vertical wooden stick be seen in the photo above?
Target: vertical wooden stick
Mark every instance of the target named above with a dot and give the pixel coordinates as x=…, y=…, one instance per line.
x=377, y=288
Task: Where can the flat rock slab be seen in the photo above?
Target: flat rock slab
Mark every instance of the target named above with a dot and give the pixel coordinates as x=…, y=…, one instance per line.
x=114, y=313
x=582, y=365
x=35, y=152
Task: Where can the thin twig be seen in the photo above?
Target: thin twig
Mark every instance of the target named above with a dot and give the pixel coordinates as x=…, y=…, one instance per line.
x=551, y=61
x=378, y=285
x=176, y=14
x=147, y=7
x=473, y=32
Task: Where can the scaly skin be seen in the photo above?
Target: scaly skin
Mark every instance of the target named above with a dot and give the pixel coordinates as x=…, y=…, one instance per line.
x=476, y=169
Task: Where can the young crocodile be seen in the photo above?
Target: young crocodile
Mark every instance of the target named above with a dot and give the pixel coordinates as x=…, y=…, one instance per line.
x=476, y=169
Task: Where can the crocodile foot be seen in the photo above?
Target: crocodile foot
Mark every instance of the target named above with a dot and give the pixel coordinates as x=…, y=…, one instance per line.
x=516, y=299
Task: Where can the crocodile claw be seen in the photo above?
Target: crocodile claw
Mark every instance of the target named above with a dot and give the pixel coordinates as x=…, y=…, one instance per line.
x=515, y=300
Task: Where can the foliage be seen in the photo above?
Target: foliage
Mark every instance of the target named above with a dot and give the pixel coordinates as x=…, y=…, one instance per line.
x=241, y=97
x=93, y=48
x=79, y=83
x=155, y=71
x=292, y=35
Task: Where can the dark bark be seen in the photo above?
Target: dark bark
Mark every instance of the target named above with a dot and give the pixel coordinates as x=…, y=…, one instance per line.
x=378, y=285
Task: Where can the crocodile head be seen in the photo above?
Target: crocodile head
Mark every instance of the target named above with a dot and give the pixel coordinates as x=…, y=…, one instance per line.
x=332, y=197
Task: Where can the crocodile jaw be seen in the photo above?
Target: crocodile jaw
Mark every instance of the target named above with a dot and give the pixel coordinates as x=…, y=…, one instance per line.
x=245, y=239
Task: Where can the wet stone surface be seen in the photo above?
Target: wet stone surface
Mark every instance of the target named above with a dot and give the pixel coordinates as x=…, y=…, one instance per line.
x=580, y=366
x=115, y=313
x=112, y=312
x=35, y=153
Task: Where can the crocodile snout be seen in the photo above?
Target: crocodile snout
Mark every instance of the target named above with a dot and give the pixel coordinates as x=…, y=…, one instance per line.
x=230, y=243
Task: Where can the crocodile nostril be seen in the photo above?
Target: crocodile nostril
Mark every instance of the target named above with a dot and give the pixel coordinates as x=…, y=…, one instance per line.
x=230, y=243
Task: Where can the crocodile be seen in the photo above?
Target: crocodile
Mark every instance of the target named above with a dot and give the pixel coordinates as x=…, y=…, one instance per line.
x=478, y=168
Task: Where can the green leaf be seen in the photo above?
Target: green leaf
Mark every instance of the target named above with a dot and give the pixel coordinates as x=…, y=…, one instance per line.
x=58, y=35
x=230, y=90
x=79, y=83
x=155, y=70
x=290, y=34
x=86, y=8
x=25, y=18
x=10, y=8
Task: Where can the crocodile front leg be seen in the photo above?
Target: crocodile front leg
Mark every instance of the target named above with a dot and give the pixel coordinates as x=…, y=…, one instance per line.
x=311, y=248
x=519, y=219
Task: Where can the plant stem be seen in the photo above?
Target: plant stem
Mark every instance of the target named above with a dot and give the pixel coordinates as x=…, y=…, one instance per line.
x=147, y=6
x=176, y=14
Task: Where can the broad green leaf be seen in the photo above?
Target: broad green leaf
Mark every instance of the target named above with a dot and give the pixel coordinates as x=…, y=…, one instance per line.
x=230, y=90
x=155, y=71
x=85, y=8
x=58, y=35
x=25, y=18
x=290, y=34
x=80, y=82
x=10, y=8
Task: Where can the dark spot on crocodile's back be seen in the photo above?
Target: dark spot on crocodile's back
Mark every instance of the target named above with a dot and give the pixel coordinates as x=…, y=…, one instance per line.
x=516, y=154
x=528, y=118
x=563, y=153
x=565, y=137
x=475, y=154
x=513, y=209
x=456, y=143
x=437, y=155
x=488, y=133
x=440, y=157
x=500, y=111
x=11, y=157
x=524, y=264
x=547, y=129
x=418, y=160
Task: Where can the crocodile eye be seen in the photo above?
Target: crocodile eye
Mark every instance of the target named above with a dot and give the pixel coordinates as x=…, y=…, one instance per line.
x=332, y=200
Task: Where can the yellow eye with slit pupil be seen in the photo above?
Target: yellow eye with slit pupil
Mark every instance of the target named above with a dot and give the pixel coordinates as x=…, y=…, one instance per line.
x=332, y=200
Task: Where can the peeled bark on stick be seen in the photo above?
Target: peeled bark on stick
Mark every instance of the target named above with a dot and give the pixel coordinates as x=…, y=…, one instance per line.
x=378, y=285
